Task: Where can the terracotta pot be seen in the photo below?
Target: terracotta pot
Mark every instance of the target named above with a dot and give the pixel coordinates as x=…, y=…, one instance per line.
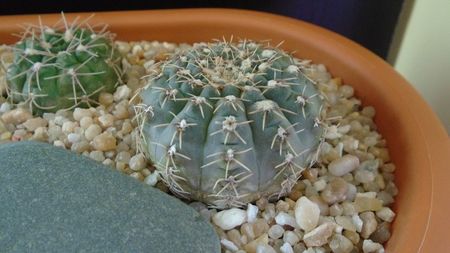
x=417, y=141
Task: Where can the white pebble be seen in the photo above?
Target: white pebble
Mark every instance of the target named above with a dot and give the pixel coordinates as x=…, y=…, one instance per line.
x=357, y=222
x=252, y=212
x=73, y=138
x=319, y=236
x=229, y=219
x=34, y=123
x=106, y=120
x=264, y=248
x=291, y=237
x=283, y=218
x=307, y=214
x=320, y=184
x=372, y=247
x=286, y=248
x=5, y=107
x=68, y=127
x=386, y=214
x=97, y=155
x=92, y=131
x=122, y=92
x=123, y=156
x=79, y=113
x=229, y=245
x=275, y=232
x=343, y=165
x=152, y=179
x=85, y=122
x=59, y=143
x=137, y=162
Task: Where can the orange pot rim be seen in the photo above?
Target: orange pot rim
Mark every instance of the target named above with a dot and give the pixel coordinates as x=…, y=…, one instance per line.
x=404, y=118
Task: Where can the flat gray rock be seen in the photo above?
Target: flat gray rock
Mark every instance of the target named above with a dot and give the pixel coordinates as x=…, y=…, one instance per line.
x=52, y=200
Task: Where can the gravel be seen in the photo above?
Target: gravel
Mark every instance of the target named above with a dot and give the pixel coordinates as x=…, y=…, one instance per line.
x=341, y=204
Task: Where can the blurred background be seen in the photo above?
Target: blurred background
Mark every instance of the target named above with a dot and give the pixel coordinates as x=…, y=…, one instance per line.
x=412, y=35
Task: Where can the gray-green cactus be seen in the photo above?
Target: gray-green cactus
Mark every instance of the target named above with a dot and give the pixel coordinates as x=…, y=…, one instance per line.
x=62, y=67
x=229, y=123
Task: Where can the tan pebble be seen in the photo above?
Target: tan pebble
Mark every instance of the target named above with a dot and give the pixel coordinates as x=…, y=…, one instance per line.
x=386, y=214
x=122, y=146
x=34, y=123
x=363, y=204
x=80, y=147
x=260, y=226
x=352, y=236
x=372, y=247
x=137, y=176
x=343, y=165
x=86, y=121
x=262, y=203
x=340, y=244
x=346, y=222
x=5, y=136
x=121, y=112
x=336, y=210
x=92, y=131
x=120, y=166
x=97, y=155
x=123, y=156
x=251, y=246
x=247, y=230
x=295, y=195
x=108, y=162
x=68, y=127
x=310, y=174
x=16, y=116
x=369, y=224
x=59, y=143
x=307, y=214
x=106, y=120
x=234, y=236
x=79, y=113
x=127, y=127
x=145, y=172
x=121, y=93
x=105, y=99
x=282, y=206
x=382, y=233
x=137, y=162
x=319, y=236
x=323, y=206
x=348, y=208
x=104, y=142
x=335, y=191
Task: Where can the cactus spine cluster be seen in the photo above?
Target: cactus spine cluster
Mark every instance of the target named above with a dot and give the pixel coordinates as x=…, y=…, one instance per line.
x=62, y=67
x=227, y=123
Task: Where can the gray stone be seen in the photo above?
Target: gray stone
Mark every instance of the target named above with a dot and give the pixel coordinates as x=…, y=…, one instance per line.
x=56, y=201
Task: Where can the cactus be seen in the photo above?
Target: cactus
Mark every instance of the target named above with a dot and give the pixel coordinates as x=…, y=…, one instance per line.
x=62, y=67
x=228, y=123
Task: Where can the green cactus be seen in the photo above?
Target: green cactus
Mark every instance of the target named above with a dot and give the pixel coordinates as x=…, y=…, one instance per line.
x=229, y=123
x=62, y=67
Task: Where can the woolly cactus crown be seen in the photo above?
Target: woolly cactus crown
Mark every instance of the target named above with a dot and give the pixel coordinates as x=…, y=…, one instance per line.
x=228, y=123
x=63, y=67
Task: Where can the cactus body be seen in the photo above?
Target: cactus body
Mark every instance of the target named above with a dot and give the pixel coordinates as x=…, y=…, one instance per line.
x=62, y=68
x=229, y=123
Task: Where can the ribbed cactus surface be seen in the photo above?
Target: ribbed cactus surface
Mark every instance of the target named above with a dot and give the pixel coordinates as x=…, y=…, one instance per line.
x=228, y=123
x=62, y=67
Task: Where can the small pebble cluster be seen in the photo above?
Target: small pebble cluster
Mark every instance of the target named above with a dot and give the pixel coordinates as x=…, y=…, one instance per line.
x=339, y=205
